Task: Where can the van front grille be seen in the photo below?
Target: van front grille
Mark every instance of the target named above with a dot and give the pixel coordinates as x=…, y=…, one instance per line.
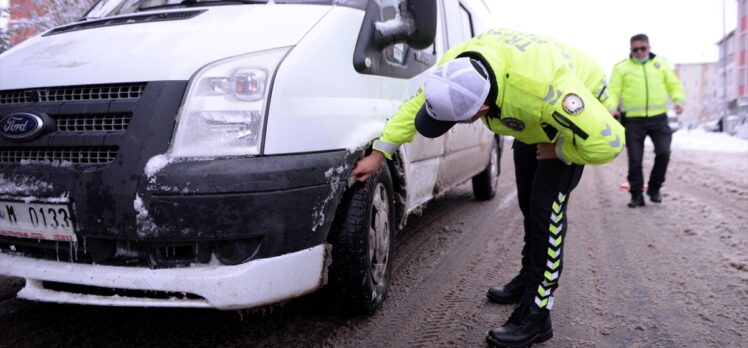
x=72, y=93
x=74, y=155
x=93, y=123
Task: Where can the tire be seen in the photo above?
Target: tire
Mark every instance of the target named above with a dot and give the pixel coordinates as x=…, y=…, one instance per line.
x=485, y=182
x=362, y=240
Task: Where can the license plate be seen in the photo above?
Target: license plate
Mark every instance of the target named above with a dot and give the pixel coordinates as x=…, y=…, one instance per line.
x=36, y=221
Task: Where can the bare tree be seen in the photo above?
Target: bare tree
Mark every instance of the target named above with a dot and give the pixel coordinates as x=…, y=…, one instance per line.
x=39, y=15
x=4, y=32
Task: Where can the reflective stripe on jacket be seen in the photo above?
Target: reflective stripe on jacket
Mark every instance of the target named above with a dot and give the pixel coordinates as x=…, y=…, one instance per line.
x=534, y=76
x=641, y=89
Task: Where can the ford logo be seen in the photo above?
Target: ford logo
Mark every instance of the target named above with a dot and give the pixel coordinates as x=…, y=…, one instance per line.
x=21, y=126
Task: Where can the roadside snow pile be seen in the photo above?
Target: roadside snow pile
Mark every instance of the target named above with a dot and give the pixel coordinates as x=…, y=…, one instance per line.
x=742, y=131
x=708, y=141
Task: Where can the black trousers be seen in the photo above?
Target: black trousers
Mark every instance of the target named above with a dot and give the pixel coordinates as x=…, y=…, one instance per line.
x=637, y=129
x=543, y=190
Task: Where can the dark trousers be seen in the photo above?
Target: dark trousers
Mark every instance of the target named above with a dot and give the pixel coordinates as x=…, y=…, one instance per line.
x=637, y=129
x=543, y=191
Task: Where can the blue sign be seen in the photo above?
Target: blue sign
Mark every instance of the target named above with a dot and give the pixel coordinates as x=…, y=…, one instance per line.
x=21, y=126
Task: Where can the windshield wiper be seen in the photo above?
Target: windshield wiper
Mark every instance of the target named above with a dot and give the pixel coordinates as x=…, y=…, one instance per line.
x=190, y=3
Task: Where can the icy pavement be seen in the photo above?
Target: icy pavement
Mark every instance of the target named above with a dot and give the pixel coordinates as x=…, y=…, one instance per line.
x=667, y=275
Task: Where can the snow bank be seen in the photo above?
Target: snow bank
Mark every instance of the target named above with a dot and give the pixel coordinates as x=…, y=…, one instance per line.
x=708, y=141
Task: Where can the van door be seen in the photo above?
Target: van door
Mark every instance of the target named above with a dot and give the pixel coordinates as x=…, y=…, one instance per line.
x=423, y=156
x=466, y=145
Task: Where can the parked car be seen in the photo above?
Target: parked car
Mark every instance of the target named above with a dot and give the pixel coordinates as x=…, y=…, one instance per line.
x=674, y=123
x=197, y=154
x=731, y=123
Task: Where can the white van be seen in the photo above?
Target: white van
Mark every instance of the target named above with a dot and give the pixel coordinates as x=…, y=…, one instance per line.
x=196, y=153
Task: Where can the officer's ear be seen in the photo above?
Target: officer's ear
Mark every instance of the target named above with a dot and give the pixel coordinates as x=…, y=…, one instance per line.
x=483, y=110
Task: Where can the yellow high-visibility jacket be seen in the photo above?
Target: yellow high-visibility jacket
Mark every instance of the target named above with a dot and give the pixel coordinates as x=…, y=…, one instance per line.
x=641, y=89
x=532, y=78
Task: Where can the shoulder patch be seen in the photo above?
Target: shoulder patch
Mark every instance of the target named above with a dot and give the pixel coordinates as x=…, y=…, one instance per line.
x=513, y=123
x=573, y=104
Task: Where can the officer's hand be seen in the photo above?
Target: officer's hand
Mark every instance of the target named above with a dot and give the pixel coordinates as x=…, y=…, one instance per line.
x=546, y=151
x=678, y=109
x=367, y=166
x=616, y=113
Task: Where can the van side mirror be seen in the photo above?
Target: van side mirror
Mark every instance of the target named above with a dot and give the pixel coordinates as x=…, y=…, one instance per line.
x=415, y=25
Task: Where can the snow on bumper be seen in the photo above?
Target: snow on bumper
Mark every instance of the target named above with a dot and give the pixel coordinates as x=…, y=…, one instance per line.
x=252, y=284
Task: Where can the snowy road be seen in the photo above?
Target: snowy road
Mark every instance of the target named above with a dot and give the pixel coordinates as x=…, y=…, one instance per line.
x=670, y=275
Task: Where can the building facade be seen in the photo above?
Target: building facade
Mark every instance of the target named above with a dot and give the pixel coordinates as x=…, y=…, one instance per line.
x=30, y=17
x=741, y=73
x=22, y=17
x=727, y=90
x=701, y=82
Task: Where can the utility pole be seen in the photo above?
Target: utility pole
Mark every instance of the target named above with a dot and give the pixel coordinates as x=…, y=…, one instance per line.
x=724, y=63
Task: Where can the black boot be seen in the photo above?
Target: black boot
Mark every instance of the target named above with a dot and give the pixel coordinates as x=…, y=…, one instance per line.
x=528, y=324
x=637, y=200
x=509, y=293
x=654, y=196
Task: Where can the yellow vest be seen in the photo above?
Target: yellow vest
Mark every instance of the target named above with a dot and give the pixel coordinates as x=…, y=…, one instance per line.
x=536, y=76
x=642, y=88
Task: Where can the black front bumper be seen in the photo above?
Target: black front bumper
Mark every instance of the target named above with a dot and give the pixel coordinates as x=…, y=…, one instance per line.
x=193, y=211
x=187, y=212
x=287, y=202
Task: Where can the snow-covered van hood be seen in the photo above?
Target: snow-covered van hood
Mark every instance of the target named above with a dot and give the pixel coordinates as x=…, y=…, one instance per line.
x=154, y=51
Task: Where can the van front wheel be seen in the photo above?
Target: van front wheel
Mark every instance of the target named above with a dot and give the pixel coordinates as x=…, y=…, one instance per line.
x=362, y=240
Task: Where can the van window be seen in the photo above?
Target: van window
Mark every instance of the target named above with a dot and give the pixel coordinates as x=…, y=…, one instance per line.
x=454, y=13
x=468, y=30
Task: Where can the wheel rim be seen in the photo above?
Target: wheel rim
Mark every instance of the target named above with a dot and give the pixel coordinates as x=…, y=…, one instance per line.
x=494, y=168
x=379, y=234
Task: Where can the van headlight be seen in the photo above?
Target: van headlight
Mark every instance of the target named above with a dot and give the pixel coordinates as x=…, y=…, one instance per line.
x=224, y=111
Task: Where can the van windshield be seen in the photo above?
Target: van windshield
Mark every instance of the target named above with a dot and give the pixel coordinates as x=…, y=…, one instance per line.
x=107, y=8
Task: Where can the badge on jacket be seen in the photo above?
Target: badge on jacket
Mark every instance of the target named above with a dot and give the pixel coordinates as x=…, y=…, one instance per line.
x=513, y=124
x=573, y=104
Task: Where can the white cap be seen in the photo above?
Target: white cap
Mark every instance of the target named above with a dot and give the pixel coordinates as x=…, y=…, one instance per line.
x=454, y=92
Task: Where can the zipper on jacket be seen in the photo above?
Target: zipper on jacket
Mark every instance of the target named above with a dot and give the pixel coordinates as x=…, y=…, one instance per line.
x=646, y=89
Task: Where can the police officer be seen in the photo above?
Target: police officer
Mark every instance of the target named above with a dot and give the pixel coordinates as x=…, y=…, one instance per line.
x=643, y=81
x=544, y=94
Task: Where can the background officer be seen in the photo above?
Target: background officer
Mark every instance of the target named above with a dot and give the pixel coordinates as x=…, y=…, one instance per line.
x=639, y=87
